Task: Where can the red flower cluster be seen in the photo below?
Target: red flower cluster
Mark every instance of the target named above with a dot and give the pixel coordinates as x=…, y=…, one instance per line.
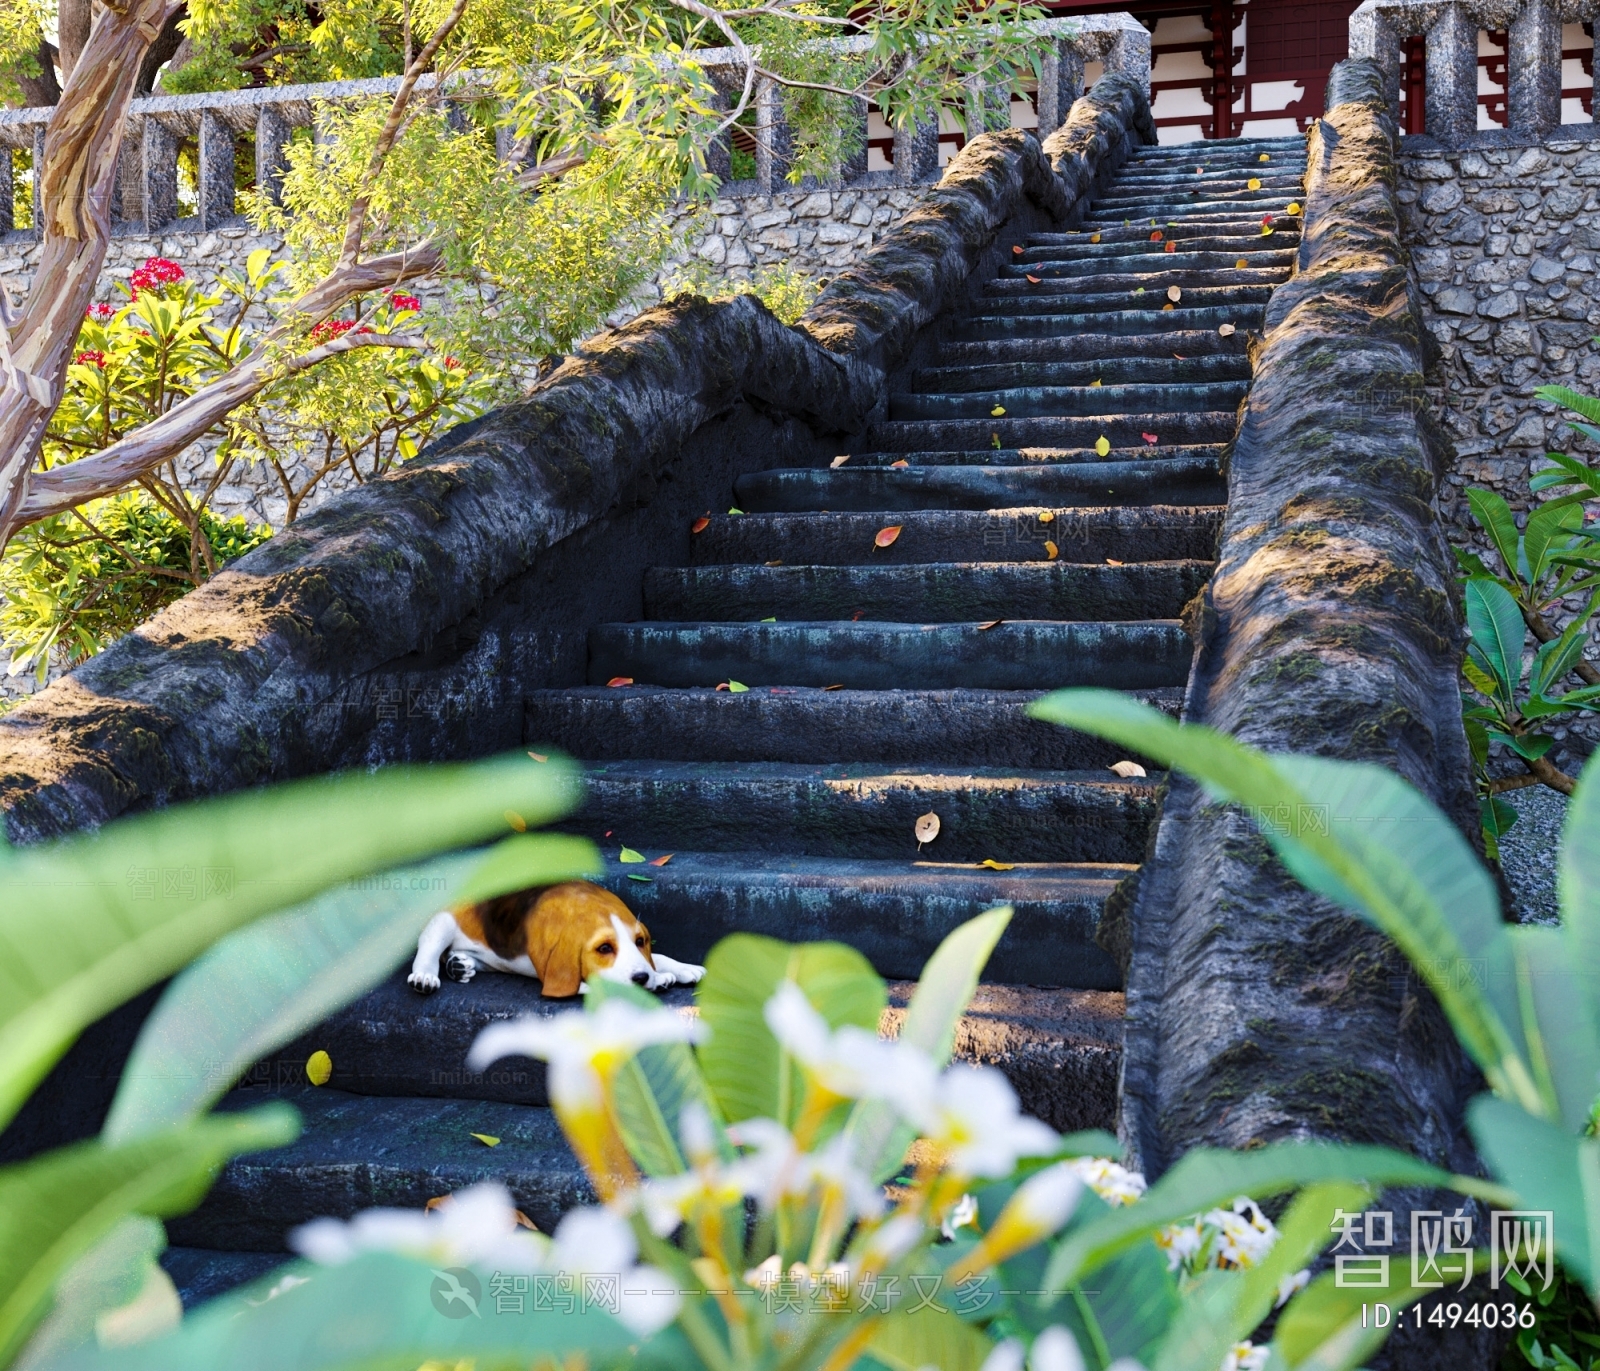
x=91, y=357
x=336, y=328
x=154, y=274
x=100, y=312
x=450, y=364
x=405, y=301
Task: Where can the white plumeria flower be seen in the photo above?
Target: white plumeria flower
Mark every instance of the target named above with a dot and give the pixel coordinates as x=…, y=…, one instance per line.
x=1055, y=1349
x=477, y=1228
x=596, y=1242
x=1181, y=1242
x=1246, y=1356
x=848, y=1061
x=971, y=1116
x=583, y=1049
x=1246, y=1235
x=1007, y=1356
x=890, y=1241
x=1288, y=1285
x=778, y=1168
x=1114, y=1184
x=963, y=1212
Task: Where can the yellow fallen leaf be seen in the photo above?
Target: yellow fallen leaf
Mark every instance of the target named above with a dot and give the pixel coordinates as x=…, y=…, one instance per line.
x=1127, y=769
x=1241, y=264
x=838, y=462
x=1051, y=551
x=1254, y=183
x=516, y=821
x=1047, y=516
x=319, y=1068
x=927, y=828
x=1166, y=307
x=1226, y=330
x=1293, y=207
x=1094, y=237
x=1102, y=445
x=487, y=1139
x=1265, y=157
x=1093, y=384
x=1174, y=293
x=629, y=855
x=997, y=866
x=1266, y=230
x=997, y=411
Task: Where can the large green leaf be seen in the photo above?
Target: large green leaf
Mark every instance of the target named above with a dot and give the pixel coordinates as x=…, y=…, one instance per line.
x=651, y=1090
x=944, y=990
x=1495, y=518
x=1209, y=1177
x=91, y=921
x=266, y=984
x=1228, y=1310
x=1567, y=471
x=1358, y=835
x=750, y=1075
x=929, y=1337
x=1551, y=529
x=1498, y=631
x=1560, y=1034
x=376, y=1313
x=1548, y=1169
x=1580, y=882
x=54, y=1208
x=1328, y=1327
x=1585, y=405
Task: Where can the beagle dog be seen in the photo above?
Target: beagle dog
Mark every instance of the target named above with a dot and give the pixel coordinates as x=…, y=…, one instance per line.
x=560, y=934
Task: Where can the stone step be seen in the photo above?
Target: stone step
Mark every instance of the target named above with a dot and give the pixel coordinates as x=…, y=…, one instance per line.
x=944, y=728
x=202, y=1273
x=1134, y=246
x=1161, y=371
x=1051, y=299
x=358, y=1151
x=1033, y=457
x=1016, y=655
x=1124, y=533
x=992, y=324
x=1192, y=217
x=1197, y=175
x=932, y=592
x=1167, y=344
x=1164, y=207
x=1240, y=229
x=1155, y=480
x=1139, y=486
x=1183, y=267
x=1070, y=401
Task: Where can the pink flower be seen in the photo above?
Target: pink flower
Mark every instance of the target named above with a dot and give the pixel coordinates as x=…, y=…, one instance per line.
x=100, y=312
x=331, y=328
x=405, y=301
x=156, y=274
x=450, y=364
x=91, y=357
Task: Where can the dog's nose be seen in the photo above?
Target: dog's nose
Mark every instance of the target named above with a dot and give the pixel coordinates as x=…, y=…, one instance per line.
x=641, y=978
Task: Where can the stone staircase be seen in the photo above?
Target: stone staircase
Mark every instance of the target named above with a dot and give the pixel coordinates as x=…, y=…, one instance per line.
x=1050, y=462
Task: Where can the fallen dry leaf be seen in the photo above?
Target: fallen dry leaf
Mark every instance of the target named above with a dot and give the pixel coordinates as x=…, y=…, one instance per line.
x=1241, y=264
x=927, y=828
x=1047, y=516
x=1093, y=384
x=735, y=511
x=1226, y=330
x=523, y=1221
x=1102, y=445
x=700, y=525
x=833, y=687
x=901, y=463
x=1094, y=237
x=437, y=1202
x=540, y=756
x=1167, y=307
x=661, y=861
x=777, y=563
x=1051, y=551
x=1033, y=280
x=487, y=1139
x=997, y=866
x=1151, y=438
x=648, y=880
x=516, y=821
x=988, y=624
x=319, y=1068
x=1265, y=157
x=1180, y=357
x=838, y=462
x=1254, y=183
x=1017, y=248
x=1156, y=236
x=885, y=536
x=1171, y=246
x=1112, y=561
x=739, y=687
x=1293, y=207
x=620, y=681
x=1266, y=230
x=1174, y=293
x=997, y=411
x=1128, y=769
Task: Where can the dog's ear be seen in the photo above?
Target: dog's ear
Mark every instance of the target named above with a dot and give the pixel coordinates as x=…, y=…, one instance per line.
x=556, y=940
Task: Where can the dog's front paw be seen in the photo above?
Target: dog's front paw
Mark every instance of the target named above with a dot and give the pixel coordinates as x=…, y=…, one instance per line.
x=681, y=973
x=460, y=967
x=422, y=982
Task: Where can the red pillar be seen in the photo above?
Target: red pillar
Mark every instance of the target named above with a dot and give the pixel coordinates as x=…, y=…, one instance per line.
x=1416, y=79
x=1222, y=24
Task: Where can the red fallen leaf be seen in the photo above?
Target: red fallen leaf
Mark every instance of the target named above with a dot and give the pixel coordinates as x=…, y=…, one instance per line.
x=1180, y=357
x=700, y=525
x=1156, y=236
x=620, y=681
x=887, y=535
x=661, y=861
x=1150, y=437
x=992, y=623
x=608, y=832
x=833, y=687
x=1017, y=248
x=901, y=463
x=722, y=685
x=1171, y=246
x=1033, y=280
x=1266, y=218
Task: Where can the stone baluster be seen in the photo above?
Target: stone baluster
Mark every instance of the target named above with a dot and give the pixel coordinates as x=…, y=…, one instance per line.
x=1374, y=35
x=127, y=189
x=159, y=172
x=727, y=84
x=38, y=178
x=1595, y=99
x=988, y=108
x=1533, y=68
x=916, y=152
x=272, y=152
x=1452, y=45
x=216, y=170
x=774, y=140
x=1129, y=54
x=8, y=185
x=1060, y=83
x=854, y=167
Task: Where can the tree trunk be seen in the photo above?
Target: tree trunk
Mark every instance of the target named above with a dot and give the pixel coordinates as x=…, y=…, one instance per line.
x=74, y=20
x=43, y=89
x=80, y=163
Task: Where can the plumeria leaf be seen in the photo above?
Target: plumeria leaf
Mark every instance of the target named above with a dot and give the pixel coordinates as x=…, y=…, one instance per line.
x=1586, y=405
x=929, y=1337
x=1328, y=1327
x=1494, y=516
x=1562, y=1041
x=1551, y=529
x=1579, y=880
x=1498, y=631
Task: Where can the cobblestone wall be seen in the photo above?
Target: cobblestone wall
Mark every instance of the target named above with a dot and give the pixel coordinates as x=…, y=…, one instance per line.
x=1506, y=244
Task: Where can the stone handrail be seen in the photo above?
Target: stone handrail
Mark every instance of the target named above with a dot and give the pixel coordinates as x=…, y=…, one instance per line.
x=1378, y=29
x=147, y=190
